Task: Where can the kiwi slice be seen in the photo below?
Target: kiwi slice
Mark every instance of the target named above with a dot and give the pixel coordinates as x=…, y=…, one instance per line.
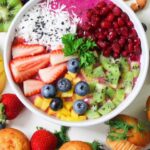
x=8, y=10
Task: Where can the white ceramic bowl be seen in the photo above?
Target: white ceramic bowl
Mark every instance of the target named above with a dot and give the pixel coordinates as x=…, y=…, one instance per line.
x=120, y=108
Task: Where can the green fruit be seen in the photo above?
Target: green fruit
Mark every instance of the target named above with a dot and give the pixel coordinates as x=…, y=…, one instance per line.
x=92, y=86
x=8, y=10
x=106, y=108
x=99, y=97
x=127, y=82
x=124, y=65
x=110, y=92
x=99, y=94
x=106, y=62
x=135, y=68
x=98, y=72
x=119, y=97
x=88, y=71
x=100, y=87
x=92, y=114
x=113, y=76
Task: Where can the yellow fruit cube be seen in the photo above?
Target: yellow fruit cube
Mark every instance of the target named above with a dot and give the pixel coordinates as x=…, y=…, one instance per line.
x=74, y=114
x=68, y=94
x=51, y=112
x=63, y=111
x=45, y=104
x=68, y=105
x=68, y=76
x=81, y=118
x=76, y=80
x=73, y=75
x=38, y=102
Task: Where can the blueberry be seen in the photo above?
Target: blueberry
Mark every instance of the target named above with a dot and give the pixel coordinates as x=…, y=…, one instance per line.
x=64, y=85
x=2, y=125
x=82, y=88
x=48, y=91
x=56, y=104
x=80, y=107
x=73, y=65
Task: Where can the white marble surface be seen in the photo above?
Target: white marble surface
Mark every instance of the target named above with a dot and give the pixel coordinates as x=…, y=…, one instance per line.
x=27, y=121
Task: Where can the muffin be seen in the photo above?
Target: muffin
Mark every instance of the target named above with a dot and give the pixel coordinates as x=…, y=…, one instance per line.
x=13, y=139
x=76, y=145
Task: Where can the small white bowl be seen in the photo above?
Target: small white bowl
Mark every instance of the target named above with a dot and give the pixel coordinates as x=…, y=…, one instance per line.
x=119, y=109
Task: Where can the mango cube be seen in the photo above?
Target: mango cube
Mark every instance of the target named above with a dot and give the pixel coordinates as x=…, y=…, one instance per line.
x=51, y=112
x=74, y=114
x=45, y=104
x=73, y=75
x=38, y=102
x=68, y=94
x=68, y=105
x=68, y=76
x=76, y=80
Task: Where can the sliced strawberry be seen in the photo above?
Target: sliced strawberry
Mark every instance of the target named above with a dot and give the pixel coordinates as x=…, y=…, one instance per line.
x=50, y=74
x=32, y=87
x=22, y=50
x=57, y=57
x=24, y=68
x=18, y=40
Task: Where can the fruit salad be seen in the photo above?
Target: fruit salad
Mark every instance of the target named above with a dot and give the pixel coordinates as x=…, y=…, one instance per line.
x=76, y=62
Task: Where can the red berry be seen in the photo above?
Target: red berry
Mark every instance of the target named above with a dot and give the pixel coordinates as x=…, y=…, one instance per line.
x=117, y=11
x=105, y=24
x=116, y=47
x=111, y=35
x=12, y=104
x=122, y=41
x=43, y=140
x=110, y=17
x=125, y=53
x=107, y=53
x=130, y=24
x=116, y=55
x=101, y=4
x=120, y=22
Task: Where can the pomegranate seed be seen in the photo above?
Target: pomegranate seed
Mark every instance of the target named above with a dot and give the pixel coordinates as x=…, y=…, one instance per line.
x=125, y=17
x=130, y=47
x=117, y=11
x=133, y=33
x=110, y=17
x=101, y=4
x=111, y=5
x=134, y=57
x=105, y=24
x=122, y=41
x=120, y=22
x=115, y=24
x=89, y=13
x=116, y=47
x=124, y=31
x=102, y=44
x=137, y=41
x=125, y=53
x=107, y=53
x=111, y=35
x=100, y=36
x=130, y=24
x=116, y=55
x=104, y=11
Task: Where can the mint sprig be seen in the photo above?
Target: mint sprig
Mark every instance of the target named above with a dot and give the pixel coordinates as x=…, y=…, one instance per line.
x=81, y=47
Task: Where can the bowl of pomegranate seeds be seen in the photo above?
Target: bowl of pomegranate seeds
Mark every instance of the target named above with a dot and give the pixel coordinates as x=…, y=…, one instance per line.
x=76, y=63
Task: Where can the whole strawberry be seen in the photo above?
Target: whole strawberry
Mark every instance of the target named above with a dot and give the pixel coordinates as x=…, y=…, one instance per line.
x=12, y=105
x=43, y=140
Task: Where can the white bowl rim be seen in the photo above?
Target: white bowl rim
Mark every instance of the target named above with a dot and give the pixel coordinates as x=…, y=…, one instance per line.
x=102, y=119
